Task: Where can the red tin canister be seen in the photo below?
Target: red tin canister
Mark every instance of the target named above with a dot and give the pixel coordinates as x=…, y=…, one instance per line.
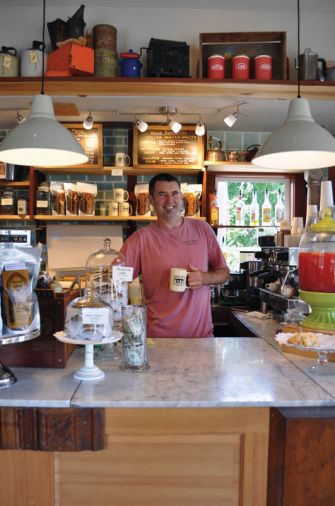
x=216, y=67
x=263, y=67
x=241, y=67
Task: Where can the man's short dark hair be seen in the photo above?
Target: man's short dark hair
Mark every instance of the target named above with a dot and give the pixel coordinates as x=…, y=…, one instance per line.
x=163, y=176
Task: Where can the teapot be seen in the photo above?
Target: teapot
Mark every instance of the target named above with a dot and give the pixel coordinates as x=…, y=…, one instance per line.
x=215, y=153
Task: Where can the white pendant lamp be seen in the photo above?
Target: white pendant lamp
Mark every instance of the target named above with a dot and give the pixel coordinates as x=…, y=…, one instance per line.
x=41, y=141
x=299, y=143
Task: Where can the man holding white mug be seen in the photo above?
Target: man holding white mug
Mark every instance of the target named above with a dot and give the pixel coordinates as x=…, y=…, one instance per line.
x=190, y=249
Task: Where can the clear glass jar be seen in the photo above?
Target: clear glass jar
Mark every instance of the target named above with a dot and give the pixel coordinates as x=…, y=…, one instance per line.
x=88, y=317
x=134, y=340
x=317, y=256
x=43, y=199
x=99, y=278
x=7, y=202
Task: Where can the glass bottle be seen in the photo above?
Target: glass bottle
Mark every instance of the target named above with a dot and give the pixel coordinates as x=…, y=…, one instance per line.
x=239, y=211
x=214, y=211
x=99, y=278
x=254, y=210
x=266, y=210
x=279, y=209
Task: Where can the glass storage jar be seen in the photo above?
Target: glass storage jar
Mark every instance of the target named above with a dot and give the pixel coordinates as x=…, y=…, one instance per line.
x=43, y=199
x=100, y=279
x=88, y=317
x=7, y=202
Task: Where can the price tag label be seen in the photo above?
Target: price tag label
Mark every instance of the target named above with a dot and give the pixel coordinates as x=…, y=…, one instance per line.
x=116, y=171
x=122, y=273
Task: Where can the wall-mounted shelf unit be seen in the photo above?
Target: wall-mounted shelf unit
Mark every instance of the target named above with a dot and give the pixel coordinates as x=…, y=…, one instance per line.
x=14, y=184
x=42, y=217
x=118, y=86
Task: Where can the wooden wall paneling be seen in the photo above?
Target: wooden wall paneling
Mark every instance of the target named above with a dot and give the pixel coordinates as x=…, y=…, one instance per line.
x=197, y=457
x=26, y=478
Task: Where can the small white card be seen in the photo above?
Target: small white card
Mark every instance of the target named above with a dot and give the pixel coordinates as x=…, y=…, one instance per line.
x=95, y=316
x=116, y=171
x=121, y=273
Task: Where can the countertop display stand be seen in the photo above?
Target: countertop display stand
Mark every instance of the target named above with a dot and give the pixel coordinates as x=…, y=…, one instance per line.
x=89, y=371
x=7, y=377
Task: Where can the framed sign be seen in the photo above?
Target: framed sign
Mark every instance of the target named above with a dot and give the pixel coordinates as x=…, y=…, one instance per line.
x=161, y=148
x=91, y=142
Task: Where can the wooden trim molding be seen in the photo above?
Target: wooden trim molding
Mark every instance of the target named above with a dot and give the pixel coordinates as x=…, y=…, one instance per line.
x=52, y=429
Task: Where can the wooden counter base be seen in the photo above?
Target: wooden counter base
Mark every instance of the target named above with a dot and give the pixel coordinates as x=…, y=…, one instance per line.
x=179, y=457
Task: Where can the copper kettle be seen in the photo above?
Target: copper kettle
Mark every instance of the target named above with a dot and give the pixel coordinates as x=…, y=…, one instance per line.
x=215, y=153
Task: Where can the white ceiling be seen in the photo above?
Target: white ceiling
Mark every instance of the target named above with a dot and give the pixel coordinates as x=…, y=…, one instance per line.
x=258, y=115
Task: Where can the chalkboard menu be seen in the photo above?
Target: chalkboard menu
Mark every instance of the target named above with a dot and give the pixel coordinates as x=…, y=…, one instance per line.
x=90, y=141
x=160, y=148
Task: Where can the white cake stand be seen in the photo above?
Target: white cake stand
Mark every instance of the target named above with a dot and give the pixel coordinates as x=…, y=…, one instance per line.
x=89, y=371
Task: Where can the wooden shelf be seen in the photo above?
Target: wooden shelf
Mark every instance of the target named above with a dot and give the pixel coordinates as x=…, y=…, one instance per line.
x=106, y=171
x=42, y=217
x=14, y=217
x=229, y=88
x=15, y=184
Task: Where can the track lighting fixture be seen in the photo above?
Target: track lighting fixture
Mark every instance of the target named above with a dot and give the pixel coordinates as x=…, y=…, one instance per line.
x=231, y=119
x=141, y=125
x=200, y=129
x=88, y=123
x=174, y=125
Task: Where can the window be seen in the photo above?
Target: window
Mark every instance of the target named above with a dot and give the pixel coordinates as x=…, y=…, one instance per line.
x=250, y=210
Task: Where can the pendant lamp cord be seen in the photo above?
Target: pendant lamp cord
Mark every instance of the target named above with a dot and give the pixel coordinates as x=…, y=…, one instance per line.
x=43, y=49
x=298, y=32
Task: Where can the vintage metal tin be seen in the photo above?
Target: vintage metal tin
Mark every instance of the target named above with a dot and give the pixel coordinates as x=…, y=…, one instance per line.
x=104, y=36
x=105, y=63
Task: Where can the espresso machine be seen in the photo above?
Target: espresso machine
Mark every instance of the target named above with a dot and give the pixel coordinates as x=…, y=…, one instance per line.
x=280, y=293
x=274, y=284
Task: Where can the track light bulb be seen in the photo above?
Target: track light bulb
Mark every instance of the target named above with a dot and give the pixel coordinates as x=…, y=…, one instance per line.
x=231, y=119
x=88, y=123
x=141, y=125
x=200, y=129
x=175, y=126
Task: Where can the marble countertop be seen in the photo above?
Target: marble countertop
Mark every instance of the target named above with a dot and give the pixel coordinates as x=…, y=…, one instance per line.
x=266, y=329
x=219, y=372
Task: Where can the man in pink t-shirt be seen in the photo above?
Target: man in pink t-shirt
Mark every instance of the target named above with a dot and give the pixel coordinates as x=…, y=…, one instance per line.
x=175, y=241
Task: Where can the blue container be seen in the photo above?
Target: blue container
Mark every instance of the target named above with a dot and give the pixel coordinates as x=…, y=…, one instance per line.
x=130, y=64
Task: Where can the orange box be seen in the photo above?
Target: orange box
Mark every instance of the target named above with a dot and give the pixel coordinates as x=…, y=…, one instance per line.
x=76, y=59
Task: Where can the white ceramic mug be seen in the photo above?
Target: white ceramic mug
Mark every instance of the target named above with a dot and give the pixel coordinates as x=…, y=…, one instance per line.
x=273, y=287
x=120, y=195
x=178, y=279
x=114, y=208
x=288, y=291
x=125, y=209
x=122, y=160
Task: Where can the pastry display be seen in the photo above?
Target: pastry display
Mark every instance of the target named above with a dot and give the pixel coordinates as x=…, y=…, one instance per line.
x=307, y=339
